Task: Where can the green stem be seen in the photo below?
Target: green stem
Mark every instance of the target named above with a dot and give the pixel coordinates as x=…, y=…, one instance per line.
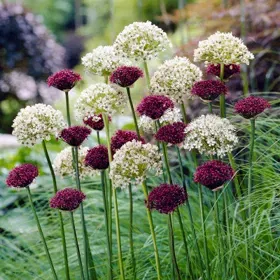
x=41, y=234
x=164, y=149
x=184, y=113
x=107, y=129
x=98, y=137
x=65, y=255
x=77, y=245
x=147, y=73
x=106, y=79
x=68, y=108
x=222, y=96
x=151, y=224
x=210, y=107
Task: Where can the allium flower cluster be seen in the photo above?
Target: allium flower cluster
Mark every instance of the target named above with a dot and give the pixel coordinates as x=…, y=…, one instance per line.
x=141, y=40
x=222, y=48
x=99, y=98
x=36, y=123
x=251, y=106
x=64, y=80
x=210, y=135
x=229, y=70
x=22, y=176
x=75, y=135
x=166, y=198
x=103, y=60
x=172, y=133
x=175, y=78
x=213, y=174
x=126, y=76
x=209, y=90
x=132, y=162
x=63, y=163
x=121, y=137
x=95, y=122
x=97, y=158
x=67, y=199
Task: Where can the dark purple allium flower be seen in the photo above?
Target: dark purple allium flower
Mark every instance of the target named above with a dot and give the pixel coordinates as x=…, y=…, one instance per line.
x=22, y=176
x=123, y=136
x=166, y=198
x=126, y=76
x=251, y=106
x=97, y=158
x=96, y=125
x=172, y=133
x=75, y=135
x=67, y=199
x=154, y=106
x=213, y=174
x=209, y=90
x=64, y=79
x=229, y=70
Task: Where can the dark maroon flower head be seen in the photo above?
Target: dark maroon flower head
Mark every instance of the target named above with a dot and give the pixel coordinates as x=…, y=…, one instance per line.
x=229, y=70
x=166, y=198
x=94, y=124
x=64, y=79
x=154, y=106
x=67, y=199
x=22, y=176
x=171, y=133
x=97, y=158
x=75, y=135
x=251, y=106
x=209, y=90
x=123, y=136
x=213, y=174
x=126, y=76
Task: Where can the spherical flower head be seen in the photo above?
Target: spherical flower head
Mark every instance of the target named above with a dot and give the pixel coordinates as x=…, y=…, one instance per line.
x=63, y=163
x=97, y=158
x=133, y=161
x=209, y=90
x=141, y=41
x=64, y=79
x=175, y=78
x=250, y=107
x=121, y=137
x=222, y=48
x=75, y=135
x=166, y=198
x=213, y=174
x=36, y=123
x=154, y=106
x=95, y=122
x=67, y=199
x=126, y=76
x=103, y=60
x=99, y=98
x=210, y=135
x=172, y=133
x=229, y=70
x=22, y=176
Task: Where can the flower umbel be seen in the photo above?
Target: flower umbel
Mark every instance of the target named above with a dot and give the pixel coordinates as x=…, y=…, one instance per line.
x=213, y=174
x=250, y=107
x=126, y=76
x=97, y=158
x=172, y=133
x=22, y=176
x=95, y=122
x=229, y=70
x=75, y=135
x=67, y=199
x=166, y=198
x=210, y=135
x=64, y=79
x=36, y=123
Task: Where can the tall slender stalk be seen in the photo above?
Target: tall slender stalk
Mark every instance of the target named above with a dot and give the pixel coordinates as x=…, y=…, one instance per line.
x=222, y=96
x=67, y=108
x=147, y=73
x=77, y=245
x=41, y=234
x=120, y=258
x=65, y=255
x=210, y=107
x=183, y=110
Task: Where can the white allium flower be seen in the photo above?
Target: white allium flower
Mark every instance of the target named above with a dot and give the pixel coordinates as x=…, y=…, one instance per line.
x=175, y=78
x=210, y=135
x=141, y=40
x=63, y=163
x=132, y=162
x=170, y=116
x=223, y=48
x=36, y=123
x=103, y=60
x=99, y=98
